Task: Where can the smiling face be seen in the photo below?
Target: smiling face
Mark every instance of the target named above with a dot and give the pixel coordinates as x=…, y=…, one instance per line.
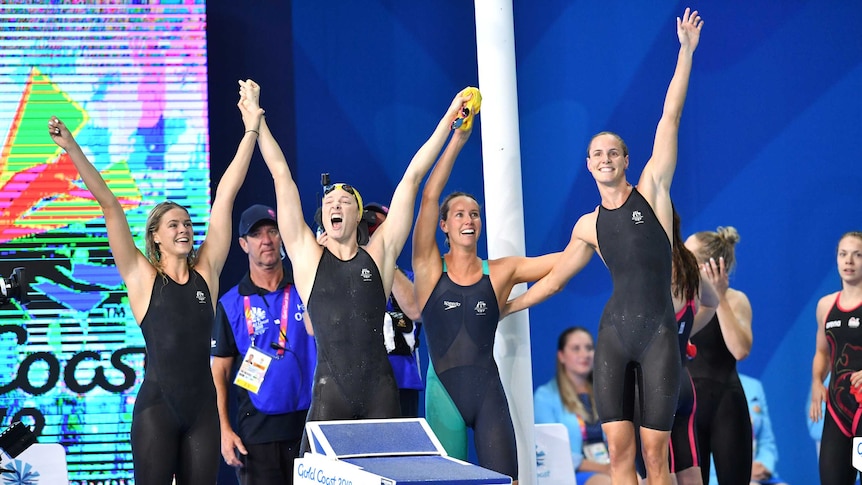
x=576, y=356
x=174, y=234
x=340, y=214
x=850, y=259
x=607, y=158
x=461, y=221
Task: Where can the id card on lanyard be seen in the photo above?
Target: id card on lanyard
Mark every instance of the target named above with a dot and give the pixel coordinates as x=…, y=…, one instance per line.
x=252, y=370
x=256, y=362
x=597, y=452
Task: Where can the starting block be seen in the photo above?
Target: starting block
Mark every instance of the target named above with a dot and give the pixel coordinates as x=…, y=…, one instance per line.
x=383, y=452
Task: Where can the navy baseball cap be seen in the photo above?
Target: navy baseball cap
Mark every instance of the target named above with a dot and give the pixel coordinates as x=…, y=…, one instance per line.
x=254, y=215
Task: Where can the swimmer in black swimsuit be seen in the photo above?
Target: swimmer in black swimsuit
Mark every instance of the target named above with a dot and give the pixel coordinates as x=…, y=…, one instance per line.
x=694, y=303
x=723, y=419
x=175, y=427
x=346, y=286
x=631, y=231
x=461, y=296
x=839, y=341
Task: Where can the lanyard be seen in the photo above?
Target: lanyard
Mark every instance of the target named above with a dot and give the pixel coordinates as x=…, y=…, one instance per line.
x=583, y=426
x=282, y=334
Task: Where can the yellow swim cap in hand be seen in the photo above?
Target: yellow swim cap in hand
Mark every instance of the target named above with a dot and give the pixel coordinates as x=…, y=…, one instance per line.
x=470, y=109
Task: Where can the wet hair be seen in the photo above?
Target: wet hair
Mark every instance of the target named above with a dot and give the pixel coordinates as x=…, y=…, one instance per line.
x=444, y=207
x=718, y=244
x=686, y=274
x=618, y=137
x=154, y=219
x=568, y=393
x=856, y=234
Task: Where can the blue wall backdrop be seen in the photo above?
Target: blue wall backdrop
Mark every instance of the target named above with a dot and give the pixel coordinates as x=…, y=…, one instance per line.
x=770, y=139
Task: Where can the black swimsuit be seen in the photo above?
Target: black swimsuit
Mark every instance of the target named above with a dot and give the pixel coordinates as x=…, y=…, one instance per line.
x=637, y=341
x=175, y=427
x=843, y=419
x=723, y=420
x=353, y=378
x=460, y=325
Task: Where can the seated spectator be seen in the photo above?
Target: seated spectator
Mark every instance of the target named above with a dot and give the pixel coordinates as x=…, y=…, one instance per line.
x=765, y=449
x=568, y=399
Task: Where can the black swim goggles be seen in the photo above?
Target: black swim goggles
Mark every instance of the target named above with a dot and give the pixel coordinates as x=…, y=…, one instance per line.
x=327, y=189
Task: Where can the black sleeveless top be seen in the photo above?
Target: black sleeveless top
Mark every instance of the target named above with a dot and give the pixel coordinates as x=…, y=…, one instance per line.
x=713, y=361
x=461, y=322
x=177, y=329
x=636, y=250
x=844, y=335
x=346, y=306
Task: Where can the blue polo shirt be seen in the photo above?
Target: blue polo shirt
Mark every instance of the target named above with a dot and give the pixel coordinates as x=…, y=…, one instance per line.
x=278, y=410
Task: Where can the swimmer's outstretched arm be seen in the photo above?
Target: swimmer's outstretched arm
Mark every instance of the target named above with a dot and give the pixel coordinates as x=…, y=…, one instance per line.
x=393, y=232
x=299, y=240
x=573, y=259
x=213, y=251
x=427, y=265
x=658, y=172
x=127, y=257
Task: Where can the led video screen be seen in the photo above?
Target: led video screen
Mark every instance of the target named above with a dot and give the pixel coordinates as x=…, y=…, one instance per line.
x=129, y=80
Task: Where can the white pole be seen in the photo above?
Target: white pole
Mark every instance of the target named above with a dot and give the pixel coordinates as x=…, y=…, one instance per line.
x=504, y=211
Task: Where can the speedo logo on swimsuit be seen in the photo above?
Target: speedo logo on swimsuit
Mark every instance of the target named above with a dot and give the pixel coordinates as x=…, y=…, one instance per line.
x=853, y=322
x=366, y=274
x=448, y=305
x=836, y=323
x=201, y=297
x=637, y=217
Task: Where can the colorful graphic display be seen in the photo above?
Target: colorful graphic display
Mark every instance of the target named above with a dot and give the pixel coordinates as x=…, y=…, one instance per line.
x=129, y=79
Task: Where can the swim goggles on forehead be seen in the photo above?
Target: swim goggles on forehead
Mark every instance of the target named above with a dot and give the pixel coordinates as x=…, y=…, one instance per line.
x=327, y=189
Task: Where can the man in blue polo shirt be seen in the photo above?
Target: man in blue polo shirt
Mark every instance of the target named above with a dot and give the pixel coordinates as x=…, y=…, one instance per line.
x=260, y=345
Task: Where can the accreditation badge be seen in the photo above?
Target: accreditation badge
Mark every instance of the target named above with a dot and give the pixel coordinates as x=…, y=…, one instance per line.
x=597, y=452
x=253, y=369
